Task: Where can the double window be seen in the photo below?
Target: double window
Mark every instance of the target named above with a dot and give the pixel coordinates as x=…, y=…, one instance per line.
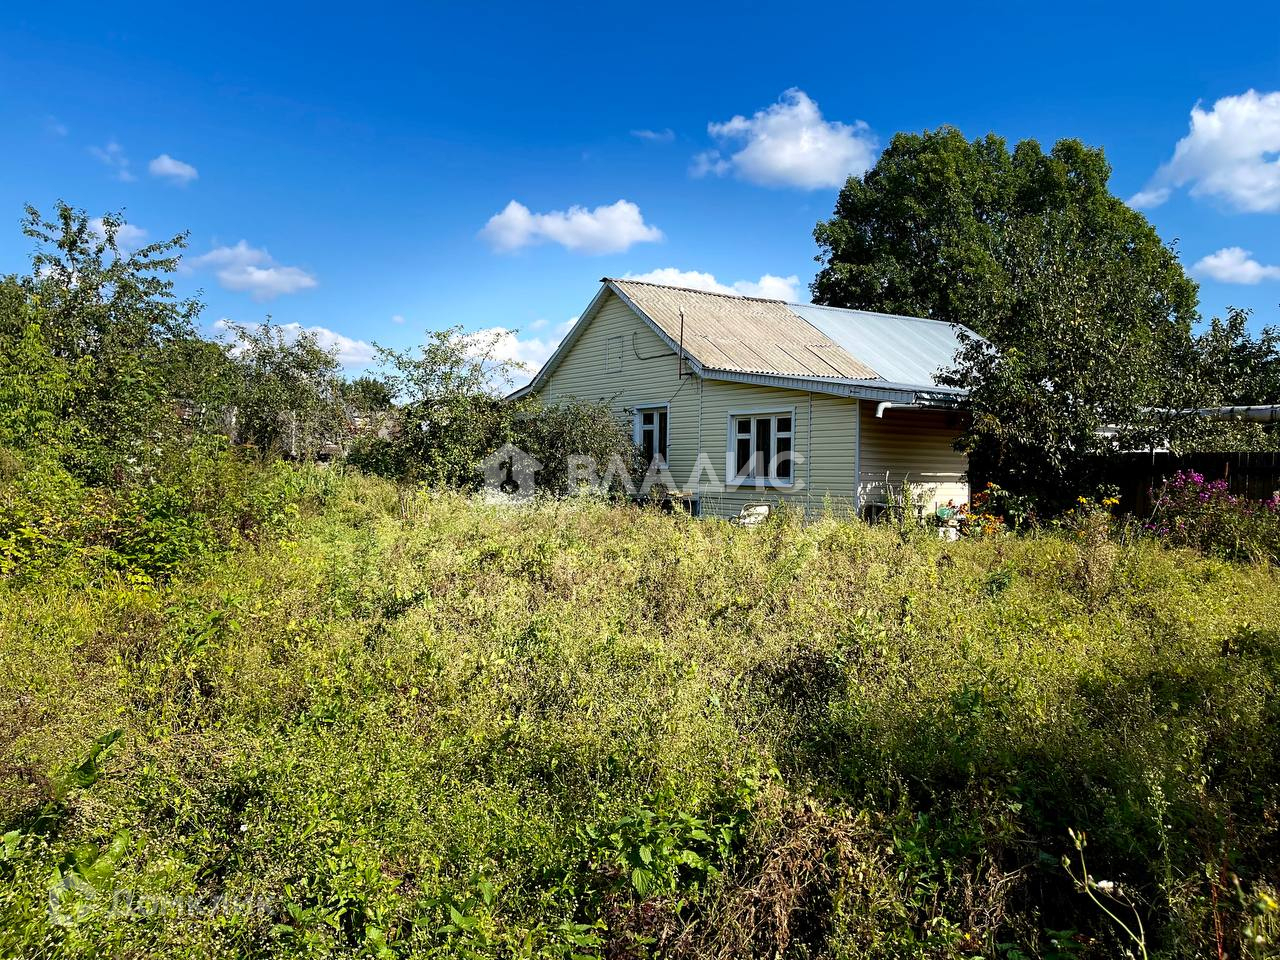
x=762, y=447
x=651, y=434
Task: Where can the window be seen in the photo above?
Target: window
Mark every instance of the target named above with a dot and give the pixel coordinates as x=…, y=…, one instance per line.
x=651, y=433
x=613, y=357
x=763, y=447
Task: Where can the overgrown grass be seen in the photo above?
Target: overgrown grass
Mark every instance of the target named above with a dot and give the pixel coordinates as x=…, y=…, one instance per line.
x=426, y=726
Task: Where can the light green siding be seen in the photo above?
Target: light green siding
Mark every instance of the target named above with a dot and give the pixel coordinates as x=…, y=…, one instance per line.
x=619, y=359
x=646, y=374
x=916, y=445
x=825, y=435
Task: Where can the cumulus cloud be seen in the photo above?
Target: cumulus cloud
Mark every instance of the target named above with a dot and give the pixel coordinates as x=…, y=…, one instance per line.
x=175, y=171
x=128, y=237
x=768, y=287
x=655, y=136
x=1235, y=265
x=252, y=270
x=113, y=157
x=606, y=229
x=1230, y=153
x=789, y=144
x=530, y=352
x=348, y=351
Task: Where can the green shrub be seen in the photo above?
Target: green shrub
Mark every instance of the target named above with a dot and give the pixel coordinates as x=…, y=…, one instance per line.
x=1191, y=511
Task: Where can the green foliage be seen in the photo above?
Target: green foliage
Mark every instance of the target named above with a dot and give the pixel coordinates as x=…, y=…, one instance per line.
x=936, y=226
x=285, y=391
x=107, y=321
x=450, y=416
x=553, y=433
x=1195, y=512
x=426, y=726
x=1085, y=317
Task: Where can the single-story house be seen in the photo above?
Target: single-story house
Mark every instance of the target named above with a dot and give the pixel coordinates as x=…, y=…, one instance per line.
x=746, y=400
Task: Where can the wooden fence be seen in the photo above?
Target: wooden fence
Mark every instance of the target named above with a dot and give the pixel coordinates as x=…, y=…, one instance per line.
x=1253, y=475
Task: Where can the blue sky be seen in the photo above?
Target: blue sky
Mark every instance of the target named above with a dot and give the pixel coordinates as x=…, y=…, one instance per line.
x=341, y=168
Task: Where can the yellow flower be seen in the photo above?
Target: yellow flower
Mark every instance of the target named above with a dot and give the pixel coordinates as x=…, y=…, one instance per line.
x=1083, y=501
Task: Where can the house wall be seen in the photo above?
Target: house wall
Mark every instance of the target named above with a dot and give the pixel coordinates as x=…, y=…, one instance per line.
x=825, y=435
x=914, y=443
x=647, y=374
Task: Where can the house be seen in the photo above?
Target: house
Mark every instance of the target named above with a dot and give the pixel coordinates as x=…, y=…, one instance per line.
x=745, y=400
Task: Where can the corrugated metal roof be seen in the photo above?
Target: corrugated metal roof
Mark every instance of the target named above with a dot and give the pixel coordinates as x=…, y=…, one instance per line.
x=902, y=349
x=727, y=332
x=751, y=335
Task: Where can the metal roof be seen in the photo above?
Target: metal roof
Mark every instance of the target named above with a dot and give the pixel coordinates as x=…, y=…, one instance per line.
x=745, y=334
x=902, y=349
x=750, y=335
x=798, y=346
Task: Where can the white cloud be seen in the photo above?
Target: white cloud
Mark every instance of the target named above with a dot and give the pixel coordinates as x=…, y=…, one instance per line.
x=789, y=144
x=115, y=159
x=1235, y=265
x=606, y=229
x=655, y=136
x=1149, y=197
x=1229, y=153
x=252, y=270
x=768, y=287
x=55, y=127
x=172, y=170
x=128, y=237
x=397, y=318
x=348, y=351
x=533, y=352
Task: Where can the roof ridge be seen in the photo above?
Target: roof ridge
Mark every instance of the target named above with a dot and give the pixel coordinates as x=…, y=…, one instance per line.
x=876, y=313
x=709, y=293
x=785, y=303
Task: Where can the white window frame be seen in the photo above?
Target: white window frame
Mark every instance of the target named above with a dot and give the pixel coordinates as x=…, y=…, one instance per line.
x=772, y=480
x=637, y=413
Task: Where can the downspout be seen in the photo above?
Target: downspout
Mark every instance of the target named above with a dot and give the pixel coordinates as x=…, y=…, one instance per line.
x=808, y=464
x=697, y=463
x=882, y=406
x=857, y=458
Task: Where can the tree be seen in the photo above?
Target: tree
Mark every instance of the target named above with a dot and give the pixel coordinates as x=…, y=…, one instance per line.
x=449, y=413
x=285, y=391
x=927, y=231
x=1085, y=317
x=1241, y=369
x=101, y=323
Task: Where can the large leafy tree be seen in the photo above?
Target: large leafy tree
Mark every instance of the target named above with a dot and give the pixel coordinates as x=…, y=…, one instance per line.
x=1085, y=315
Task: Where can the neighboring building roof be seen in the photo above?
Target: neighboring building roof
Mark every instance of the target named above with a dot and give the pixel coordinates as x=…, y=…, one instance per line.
x=799, y=346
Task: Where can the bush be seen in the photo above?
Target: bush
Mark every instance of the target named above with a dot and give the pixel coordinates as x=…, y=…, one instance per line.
x=201, y=501
x=427, y=726
x=1191, y=511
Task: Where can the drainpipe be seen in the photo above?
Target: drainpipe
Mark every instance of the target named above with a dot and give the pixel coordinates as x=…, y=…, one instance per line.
x=882, y=406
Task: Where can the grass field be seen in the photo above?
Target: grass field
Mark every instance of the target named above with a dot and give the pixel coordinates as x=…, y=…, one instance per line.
x=425, y=726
